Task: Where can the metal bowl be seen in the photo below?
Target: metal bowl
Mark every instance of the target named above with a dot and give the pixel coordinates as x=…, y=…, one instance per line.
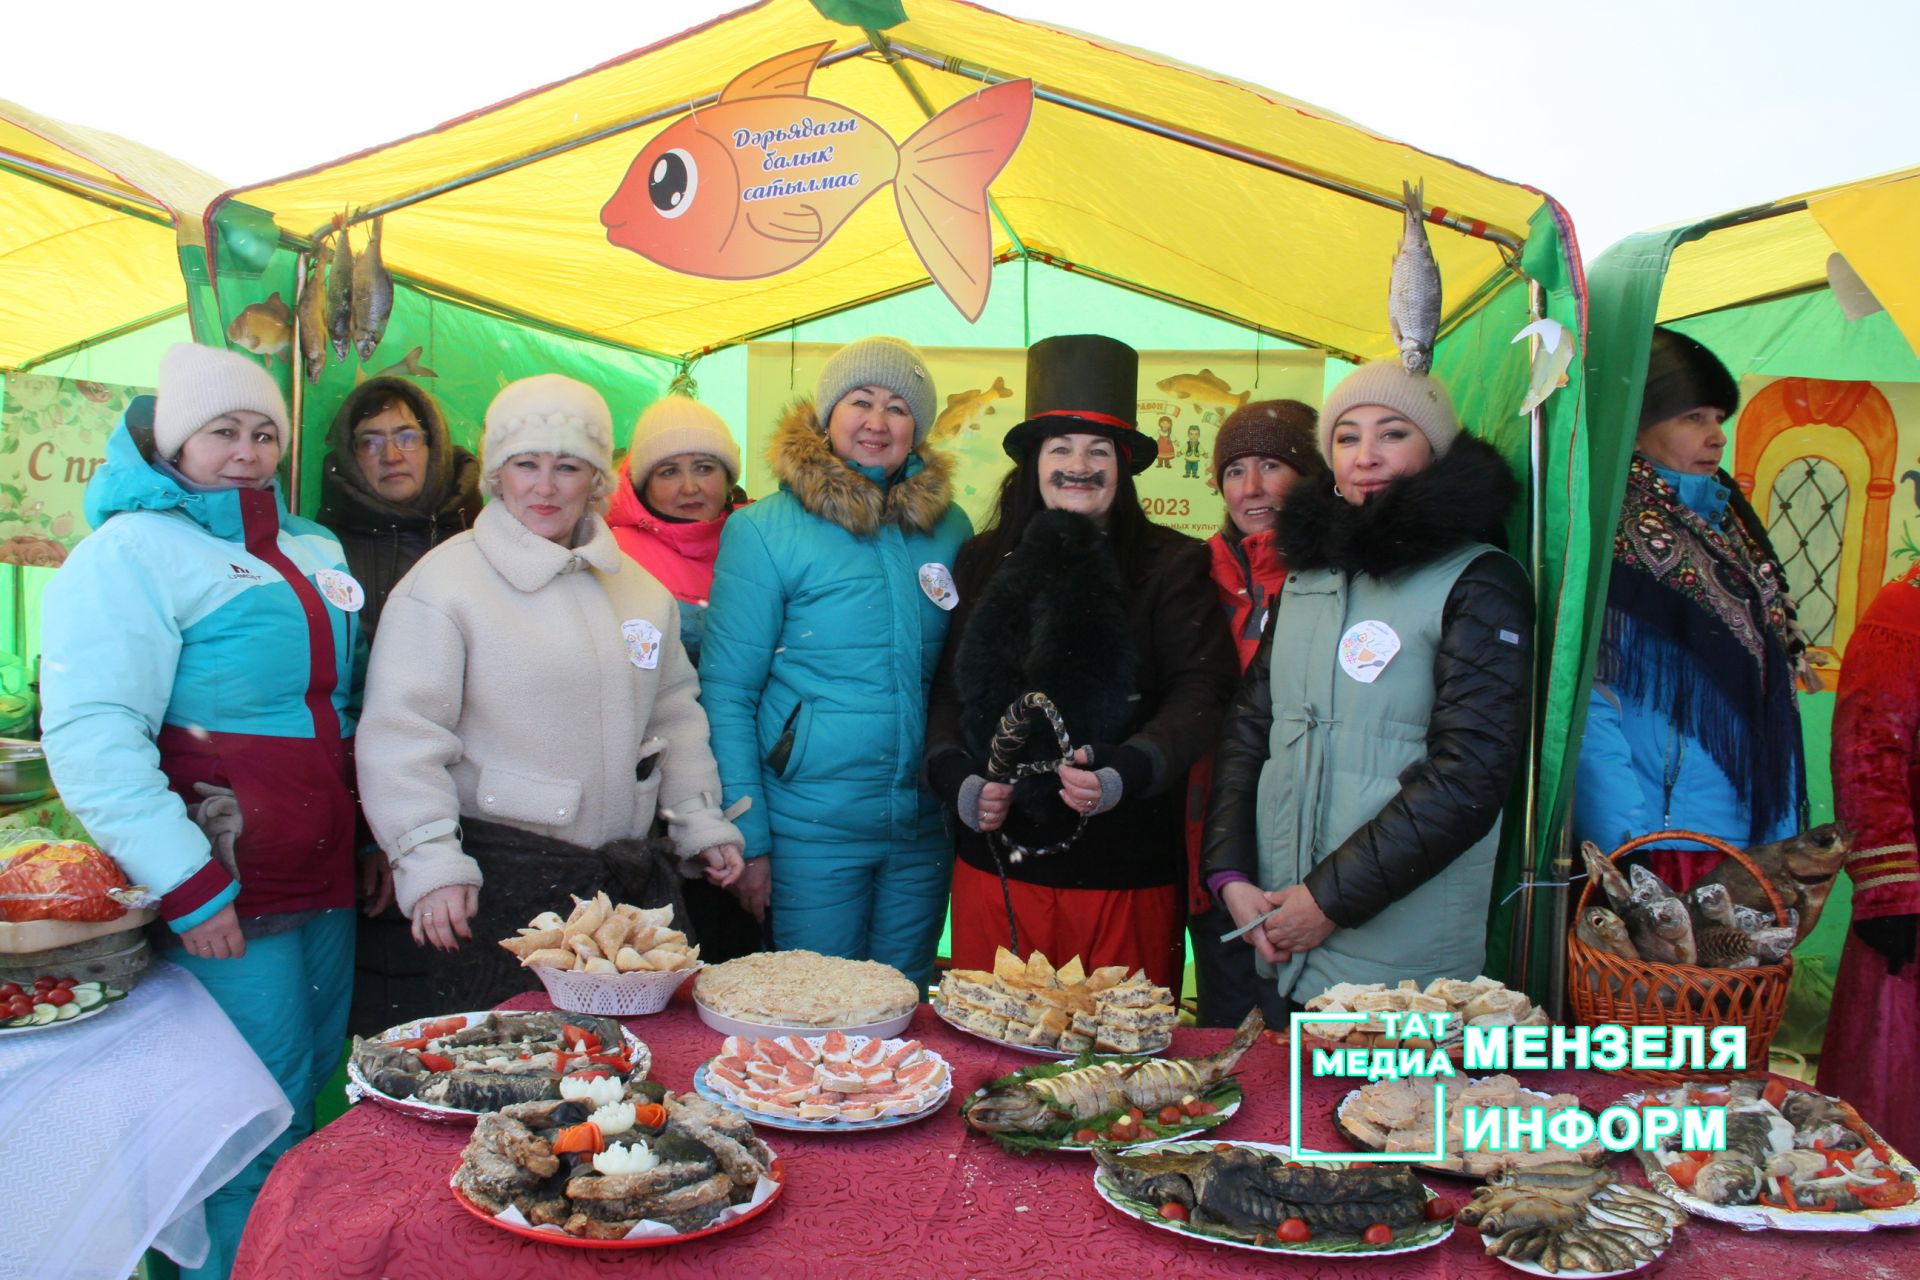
x=23, y=771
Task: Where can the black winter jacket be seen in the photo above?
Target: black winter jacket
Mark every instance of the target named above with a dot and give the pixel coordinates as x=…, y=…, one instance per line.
x=1140, y=670
x=384, y=540
x=1477, y=734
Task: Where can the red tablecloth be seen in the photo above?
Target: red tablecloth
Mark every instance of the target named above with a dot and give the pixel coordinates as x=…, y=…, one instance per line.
x=367, y=1197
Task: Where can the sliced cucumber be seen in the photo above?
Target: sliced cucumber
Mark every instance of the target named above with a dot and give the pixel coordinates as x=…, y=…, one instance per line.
x=26, y=1020
x=42, y=1014
x=115, y=993
x=78, y=987
x=84, y=999
x=66, y=1013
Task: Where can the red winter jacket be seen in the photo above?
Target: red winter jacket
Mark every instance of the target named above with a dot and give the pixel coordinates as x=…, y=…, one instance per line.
x=1249, y=576
x=1876, y=751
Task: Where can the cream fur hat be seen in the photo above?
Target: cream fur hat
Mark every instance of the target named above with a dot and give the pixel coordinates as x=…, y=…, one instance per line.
x=198, y=384
x=548, y=413
x=677, y=424
x=1423, y=400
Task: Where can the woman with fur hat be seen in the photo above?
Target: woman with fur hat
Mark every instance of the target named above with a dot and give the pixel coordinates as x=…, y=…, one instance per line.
x=1361, y=775
x=198, y=648
x=672, y=495
x=671, y=498
x=1261, y=452
x=529, y=708
x=1692, y=722
x=830, y=604
x=1073, y=592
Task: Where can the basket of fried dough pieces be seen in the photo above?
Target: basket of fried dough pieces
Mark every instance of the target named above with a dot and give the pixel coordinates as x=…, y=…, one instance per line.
x=612, y=959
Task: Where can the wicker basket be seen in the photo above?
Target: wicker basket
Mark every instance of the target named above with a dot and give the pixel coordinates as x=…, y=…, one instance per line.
x=1604, y=988
x=612, y=995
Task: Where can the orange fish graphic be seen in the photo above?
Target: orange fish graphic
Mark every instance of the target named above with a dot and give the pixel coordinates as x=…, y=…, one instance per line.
x=756, y=183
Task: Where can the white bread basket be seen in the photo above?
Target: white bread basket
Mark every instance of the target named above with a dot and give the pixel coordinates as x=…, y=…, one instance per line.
x=612, y=995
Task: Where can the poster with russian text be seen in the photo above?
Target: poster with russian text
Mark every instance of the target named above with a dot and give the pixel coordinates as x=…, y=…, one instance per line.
x=53, y=434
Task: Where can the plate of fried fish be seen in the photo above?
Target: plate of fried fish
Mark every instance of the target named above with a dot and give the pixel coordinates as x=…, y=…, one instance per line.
x=1094, y=1102
x=456, y=1067
x=1254, y=1195
x=1566, y=1218
x=1794, y=1160
x=628, y=1175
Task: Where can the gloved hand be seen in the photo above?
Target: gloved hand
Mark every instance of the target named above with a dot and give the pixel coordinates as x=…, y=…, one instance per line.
x=218, y=816
x=1892, y=936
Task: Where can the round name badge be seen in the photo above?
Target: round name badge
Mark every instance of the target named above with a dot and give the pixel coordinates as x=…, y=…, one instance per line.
x=341, y=590
x=1366, y=650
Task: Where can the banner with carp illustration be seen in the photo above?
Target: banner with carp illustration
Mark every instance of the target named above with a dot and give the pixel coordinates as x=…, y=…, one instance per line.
x=1833, y=468
x=53, y=434
x=1183, y=397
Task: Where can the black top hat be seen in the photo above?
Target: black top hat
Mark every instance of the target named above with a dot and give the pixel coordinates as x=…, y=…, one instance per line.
x=1083, y=382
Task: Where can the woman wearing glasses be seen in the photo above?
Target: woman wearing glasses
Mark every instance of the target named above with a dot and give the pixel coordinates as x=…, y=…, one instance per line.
x=395, y=486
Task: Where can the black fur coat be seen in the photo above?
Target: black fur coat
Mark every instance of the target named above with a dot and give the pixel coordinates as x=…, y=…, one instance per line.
x=1147, y=664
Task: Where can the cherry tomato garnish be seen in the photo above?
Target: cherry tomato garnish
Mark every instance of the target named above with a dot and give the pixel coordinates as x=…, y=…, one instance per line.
x=1172, y=1115
x=1174, y=1211
x=67, y=984
x=44, y=983
x=9, y=990
x=1378, y=1233
x=1136, y=1115
x=1439, y=1209
x=1084, y=1136
x=1295, y=1231
x=59, y=995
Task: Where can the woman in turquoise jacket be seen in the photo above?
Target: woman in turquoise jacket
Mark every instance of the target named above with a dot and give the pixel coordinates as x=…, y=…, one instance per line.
x=1692, y=722
x=829, y=608
x=198, y=649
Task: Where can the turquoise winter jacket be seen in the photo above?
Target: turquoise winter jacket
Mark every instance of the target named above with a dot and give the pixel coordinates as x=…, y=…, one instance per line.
x=200, y=637
x=819, y=623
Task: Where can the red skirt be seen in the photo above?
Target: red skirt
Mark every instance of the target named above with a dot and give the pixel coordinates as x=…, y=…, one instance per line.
x=1873, y=1035
x=1139, y=928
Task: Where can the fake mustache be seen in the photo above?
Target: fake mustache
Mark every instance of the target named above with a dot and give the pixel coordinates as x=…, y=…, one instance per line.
x=1091, y=479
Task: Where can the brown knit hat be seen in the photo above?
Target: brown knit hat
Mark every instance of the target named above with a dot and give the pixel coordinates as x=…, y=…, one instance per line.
x=1283, y=429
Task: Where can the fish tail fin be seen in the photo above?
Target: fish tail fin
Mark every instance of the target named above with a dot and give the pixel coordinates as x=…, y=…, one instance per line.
x=941, y=188
x=1250, y=1028
x=1000, y=385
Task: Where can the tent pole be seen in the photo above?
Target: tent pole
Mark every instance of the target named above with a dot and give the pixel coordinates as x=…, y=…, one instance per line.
x=1522, y=953
x=86, y=189
x=1229, y=150
x=105, y=335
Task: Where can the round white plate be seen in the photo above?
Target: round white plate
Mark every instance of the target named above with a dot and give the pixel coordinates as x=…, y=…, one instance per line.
x=357, y=1086
x=884, y=1030
x=1346, y=1247
x=1038, y=1050
x=712, y=1093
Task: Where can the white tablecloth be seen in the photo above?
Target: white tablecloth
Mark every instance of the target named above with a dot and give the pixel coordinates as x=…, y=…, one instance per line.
x=115, y=1129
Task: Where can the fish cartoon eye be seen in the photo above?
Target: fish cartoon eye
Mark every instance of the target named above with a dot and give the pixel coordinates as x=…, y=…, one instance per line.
x=672, y=182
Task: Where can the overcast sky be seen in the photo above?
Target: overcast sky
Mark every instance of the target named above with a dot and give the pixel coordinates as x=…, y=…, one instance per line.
x=1634, y=113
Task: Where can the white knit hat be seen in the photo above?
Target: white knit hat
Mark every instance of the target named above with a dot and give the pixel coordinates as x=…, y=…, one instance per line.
x=1421, y=399
x=547, y=413
x=879, y=362
x=677, y=424
x=198, y=384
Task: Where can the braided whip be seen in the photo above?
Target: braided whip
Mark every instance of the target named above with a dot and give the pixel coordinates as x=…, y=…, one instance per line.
x=1008, y=739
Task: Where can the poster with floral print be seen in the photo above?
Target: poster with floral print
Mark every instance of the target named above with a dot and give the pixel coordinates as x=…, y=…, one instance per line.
x=53, y=435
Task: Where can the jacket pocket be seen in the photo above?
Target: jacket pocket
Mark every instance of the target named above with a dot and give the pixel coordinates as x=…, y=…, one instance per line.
x=526, y=799
x=646, y=792
x=783, y=755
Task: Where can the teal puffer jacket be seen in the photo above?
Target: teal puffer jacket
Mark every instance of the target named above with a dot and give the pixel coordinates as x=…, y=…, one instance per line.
x=819, y=622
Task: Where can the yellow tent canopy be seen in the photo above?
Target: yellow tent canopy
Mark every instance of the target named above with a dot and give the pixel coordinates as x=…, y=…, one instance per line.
x=1782, y=248
x=88, y=245
x=1219, y=195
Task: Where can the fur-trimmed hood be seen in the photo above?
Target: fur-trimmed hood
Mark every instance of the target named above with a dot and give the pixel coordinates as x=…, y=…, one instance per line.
x=833, y=490
x=1462, y=498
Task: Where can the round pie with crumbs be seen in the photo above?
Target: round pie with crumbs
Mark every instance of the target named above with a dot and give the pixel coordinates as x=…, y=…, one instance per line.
x=805, y=989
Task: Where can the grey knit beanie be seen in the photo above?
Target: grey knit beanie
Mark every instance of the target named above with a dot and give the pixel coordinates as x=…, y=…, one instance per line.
x=1422, y=399
x=198, y=384
x=879, y=362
